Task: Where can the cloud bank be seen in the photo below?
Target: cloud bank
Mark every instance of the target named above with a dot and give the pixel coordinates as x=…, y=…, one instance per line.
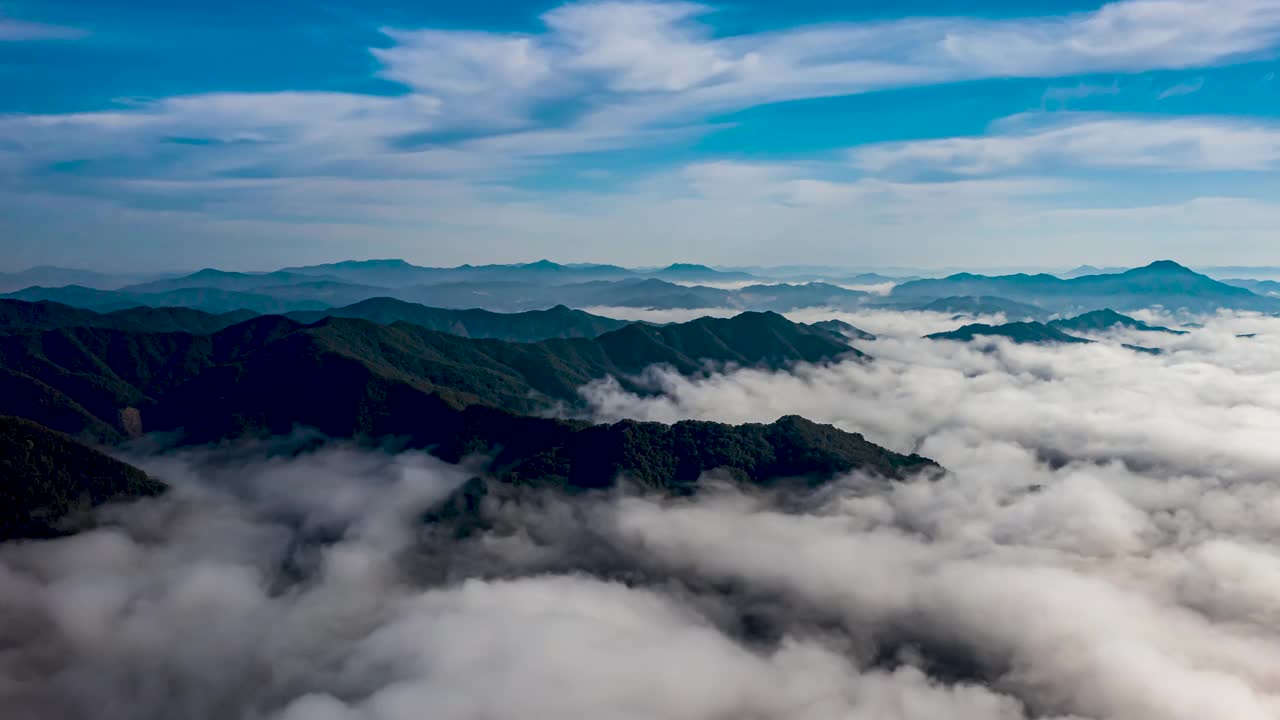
x=1101, y=548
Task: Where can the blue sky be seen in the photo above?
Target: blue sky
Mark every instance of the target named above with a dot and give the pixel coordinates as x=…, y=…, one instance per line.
x=149, y=134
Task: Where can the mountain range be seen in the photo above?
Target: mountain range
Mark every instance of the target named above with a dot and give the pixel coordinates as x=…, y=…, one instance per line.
x=545, y=285
x=1164, y=283
x=106, y=380
x=1018, y=332
x=1057, y=331
x=350, y=377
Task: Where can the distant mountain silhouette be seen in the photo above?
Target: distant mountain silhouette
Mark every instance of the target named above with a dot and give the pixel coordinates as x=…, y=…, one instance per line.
x=57, y=276
x=1268, y=288
x=398, y=273
x=530, y=326
x=1018, y=332
x=46, y=478
x=688, y=272
x=983, y=305
x=1163, y=283
x=843, y=329
x=1083, y=270
x=211, y=300
x=1058, y=331
x=1107, y=319
x=46, y=315
x=221, y=280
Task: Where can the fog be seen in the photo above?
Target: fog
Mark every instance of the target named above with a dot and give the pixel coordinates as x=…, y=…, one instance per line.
x=1101, y=547
x=652, y=315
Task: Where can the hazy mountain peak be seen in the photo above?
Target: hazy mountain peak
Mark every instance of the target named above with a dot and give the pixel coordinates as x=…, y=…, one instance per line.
x=543, y=264
x=1164, y=266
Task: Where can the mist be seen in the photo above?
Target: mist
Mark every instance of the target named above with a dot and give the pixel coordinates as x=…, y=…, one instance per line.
x=1100, y=547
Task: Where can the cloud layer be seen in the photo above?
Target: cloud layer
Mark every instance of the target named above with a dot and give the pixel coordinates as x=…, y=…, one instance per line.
x=1101, y=548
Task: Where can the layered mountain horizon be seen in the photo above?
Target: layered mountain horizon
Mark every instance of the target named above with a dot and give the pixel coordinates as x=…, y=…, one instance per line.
x=545, y=285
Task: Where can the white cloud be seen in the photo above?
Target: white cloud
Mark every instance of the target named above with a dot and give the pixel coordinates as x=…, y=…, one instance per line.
x=1182, y=88
x=1086, y=140
x=12, y=30
x=623, y=75
x=641, y=46
x=1079, y=91
x=483, y=78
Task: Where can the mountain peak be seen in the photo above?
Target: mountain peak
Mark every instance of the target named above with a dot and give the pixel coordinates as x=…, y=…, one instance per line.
x=543, y=264
x=1164, y=266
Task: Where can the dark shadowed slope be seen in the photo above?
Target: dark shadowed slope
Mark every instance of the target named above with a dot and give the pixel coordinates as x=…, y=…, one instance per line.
x=531, y=326
x=571, y=456
x=457, y=396
x=46, y=315
x=46, y=477
x=1018, y=332
x=350, y=377
x=1101, y=320
x=212, y=300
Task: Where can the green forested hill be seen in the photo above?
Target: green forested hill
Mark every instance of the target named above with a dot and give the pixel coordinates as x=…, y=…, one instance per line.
x=46, y=477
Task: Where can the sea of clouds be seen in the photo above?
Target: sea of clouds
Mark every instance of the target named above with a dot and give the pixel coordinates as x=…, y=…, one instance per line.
x=1101, y=547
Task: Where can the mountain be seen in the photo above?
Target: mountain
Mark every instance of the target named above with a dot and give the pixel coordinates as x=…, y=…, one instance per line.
x=1268, y=288
x=46, y=478
x=398, y=273
x=1090, y=270
x=1018, y=332
x=843, y=329
x=686, y=272
x=575, y=457
x=351, y=377
x=982, y=305
x=1163, y=283
x=211, y=300
x=57, y=276
x=500, y=288
x=785, y=297
x=221, y=280
x=75, y=296
x=458, y=396
x=46, y=315
x=1101, y=320
x=650, y=293
x=871, y=278
x=558, y=322
x=530, y=326
x=1142, y=349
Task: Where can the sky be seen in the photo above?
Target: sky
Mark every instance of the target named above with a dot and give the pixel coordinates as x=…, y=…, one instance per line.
x=152, y=135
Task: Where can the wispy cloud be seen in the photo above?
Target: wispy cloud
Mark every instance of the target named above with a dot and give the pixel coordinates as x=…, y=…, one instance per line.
x=1085, y=140
x=1182, y=88
x=480, y=110
x=12, y=30
x=1064, y=94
